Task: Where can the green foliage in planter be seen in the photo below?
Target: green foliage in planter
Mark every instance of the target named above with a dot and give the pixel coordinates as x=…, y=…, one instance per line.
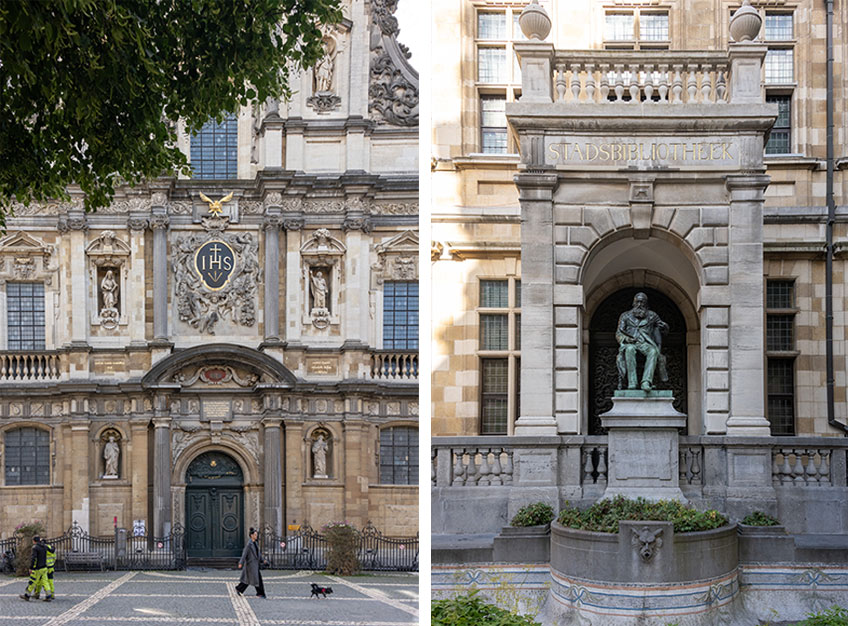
x=23, y=555
x=603, y=516
x=473, y=611
x=535, y=514
x=343, y=542
x=834, y=616
x=758, y=518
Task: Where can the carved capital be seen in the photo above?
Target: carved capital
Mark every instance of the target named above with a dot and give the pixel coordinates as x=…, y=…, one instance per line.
x=273, y=199
x=272, y=222
x=72, y=222
x=159, y=222
x=137, y=223
x=293, y=223
x=357, y=223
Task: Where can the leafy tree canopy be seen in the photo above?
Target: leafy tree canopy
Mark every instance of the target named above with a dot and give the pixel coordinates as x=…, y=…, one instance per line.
x=91, y=89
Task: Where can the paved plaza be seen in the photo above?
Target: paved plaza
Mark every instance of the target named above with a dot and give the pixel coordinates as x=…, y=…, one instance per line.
x=198, y=596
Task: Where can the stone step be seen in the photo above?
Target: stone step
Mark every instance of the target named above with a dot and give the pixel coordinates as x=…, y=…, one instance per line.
x=461, y=548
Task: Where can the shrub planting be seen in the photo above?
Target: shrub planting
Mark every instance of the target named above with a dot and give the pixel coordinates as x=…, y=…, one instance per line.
x=603, y=516
x=535, y=514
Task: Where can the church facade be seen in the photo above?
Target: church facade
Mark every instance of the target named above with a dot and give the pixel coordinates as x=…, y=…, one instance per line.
x=238, y=348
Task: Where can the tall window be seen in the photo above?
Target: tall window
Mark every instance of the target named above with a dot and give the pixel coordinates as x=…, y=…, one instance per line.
x=781, y=133
x=779, y=33
x=214, y=150
x=780, y=356
x=499, y=351
x=399, y=456
x=498, y=75
x=400, y=315
x=27, y=456
x=635, y=29
x=25, y=316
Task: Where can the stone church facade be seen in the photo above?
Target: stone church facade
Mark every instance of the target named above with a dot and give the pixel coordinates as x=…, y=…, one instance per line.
x=239, y=348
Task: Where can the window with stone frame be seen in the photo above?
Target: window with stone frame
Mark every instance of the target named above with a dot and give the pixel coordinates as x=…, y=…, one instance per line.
x=27, y=456
x=637, y=28
x=400, y=315
x=25, y=316
x=498, y=75
x=779, y=34
x=214, y=150
x=780, y=355
x=499, y=346
x=399, y=455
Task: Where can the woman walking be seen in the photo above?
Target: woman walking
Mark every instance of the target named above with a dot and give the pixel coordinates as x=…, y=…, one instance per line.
x=249, y=566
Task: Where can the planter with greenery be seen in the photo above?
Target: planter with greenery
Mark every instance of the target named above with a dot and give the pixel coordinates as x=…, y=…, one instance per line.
x=638, y=541
x=763, y=539
x=527, y=538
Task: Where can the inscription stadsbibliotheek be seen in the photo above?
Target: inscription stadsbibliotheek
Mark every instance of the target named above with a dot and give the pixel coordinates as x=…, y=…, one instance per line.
x=672, y=152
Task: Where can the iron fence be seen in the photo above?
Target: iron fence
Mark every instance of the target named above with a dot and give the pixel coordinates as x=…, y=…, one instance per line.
x=306, y=548
x=77, y=549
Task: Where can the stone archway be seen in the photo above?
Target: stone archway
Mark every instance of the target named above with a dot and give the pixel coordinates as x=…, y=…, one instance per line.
x=603, y=348
x=214, y=501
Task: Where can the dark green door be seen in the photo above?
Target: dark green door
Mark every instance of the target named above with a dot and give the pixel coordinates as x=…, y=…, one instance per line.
x=214, y=507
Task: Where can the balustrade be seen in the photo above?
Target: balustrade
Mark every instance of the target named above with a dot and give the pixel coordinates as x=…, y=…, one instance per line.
x=29, y=366
x=691, y=462
x=661, y=77
x=387, y=365
x=804, y=467
x=594, y=464
x=481, y=466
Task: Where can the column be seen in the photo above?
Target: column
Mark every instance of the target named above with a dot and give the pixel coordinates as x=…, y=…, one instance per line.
x=271, y=225
x=138, y=469
x=295, y=507
x=273, y=477
x=536, y=409
x=161, y=476
x=159, y=223
x=747, y=376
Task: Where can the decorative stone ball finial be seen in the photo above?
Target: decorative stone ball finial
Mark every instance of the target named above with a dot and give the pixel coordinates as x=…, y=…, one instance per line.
x=534, y=21
x=745, y=23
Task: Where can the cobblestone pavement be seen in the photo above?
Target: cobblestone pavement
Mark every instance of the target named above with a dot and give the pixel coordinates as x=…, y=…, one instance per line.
x=198, y=596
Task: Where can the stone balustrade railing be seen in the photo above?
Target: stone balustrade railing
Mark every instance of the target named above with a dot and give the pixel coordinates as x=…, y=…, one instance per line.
x=390, y=365
x=29, y=366
x=660, y=76
x=802, y=466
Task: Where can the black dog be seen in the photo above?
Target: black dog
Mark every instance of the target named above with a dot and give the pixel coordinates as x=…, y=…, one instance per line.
x=320, y=590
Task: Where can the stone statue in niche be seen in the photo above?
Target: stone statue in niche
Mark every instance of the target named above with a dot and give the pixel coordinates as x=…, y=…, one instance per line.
x=640, y=330
x=319, y=457
x=109, y=294
x=320, y=296
x=324, y=98
x=111, y=452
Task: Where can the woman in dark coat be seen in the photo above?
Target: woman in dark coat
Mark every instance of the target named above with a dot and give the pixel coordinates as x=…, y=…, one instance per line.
x=249, y=566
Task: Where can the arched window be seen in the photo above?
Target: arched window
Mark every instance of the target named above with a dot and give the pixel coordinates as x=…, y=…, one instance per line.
x=27, y=456
x=214, y=150
x=399, y=456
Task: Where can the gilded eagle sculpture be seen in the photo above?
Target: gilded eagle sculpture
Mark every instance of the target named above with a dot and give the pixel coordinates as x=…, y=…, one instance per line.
x=215, y=207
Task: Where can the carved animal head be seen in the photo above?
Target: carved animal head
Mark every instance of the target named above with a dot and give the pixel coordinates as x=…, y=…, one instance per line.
x=647, y=541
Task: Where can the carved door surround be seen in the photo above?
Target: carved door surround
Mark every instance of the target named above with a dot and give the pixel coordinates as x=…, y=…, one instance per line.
x=321, y=258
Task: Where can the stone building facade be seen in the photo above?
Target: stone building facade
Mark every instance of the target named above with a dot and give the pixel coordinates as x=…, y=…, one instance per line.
x=477, y=260
x=239, y=348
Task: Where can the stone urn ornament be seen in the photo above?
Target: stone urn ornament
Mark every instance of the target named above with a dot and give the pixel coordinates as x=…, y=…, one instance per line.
x=745, y=23
x=534, y=22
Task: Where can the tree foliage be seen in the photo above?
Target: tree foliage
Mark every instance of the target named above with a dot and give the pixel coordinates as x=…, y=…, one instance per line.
x=91, y=89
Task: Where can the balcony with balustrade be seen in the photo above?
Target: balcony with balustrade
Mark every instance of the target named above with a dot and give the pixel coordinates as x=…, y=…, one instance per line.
x=31, y=366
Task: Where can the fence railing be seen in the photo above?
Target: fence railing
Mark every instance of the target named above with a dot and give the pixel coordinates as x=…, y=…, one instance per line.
x=76, y=548
x=307, y=549
x=29, y=366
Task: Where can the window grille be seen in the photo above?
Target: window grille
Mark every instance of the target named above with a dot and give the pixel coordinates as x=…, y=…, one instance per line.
x=214, y=150
x=399, y=456
x=27, y=452
x=25, y=316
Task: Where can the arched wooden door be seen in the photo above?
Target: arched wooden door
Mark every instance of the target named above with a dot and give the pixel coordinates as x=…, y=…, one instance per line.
x=214, y=506
x=603, y=349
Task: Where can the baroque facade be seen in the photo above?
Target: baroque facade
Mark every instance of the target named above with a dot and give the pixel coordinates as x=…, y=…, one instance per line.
x=238, y=348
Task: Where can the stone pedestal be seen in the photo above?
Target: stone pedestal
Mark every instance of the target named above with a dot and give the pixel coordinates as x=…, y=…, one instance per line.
x=643, y=451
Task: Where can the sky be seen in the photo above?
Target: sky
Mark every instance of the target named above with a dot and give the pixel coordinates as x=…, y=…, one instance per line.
x=411, y=14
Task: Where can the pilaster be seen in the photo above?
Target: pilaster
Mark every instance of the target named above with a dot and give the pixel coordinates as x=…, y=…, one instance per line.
x=135, y=297
x=747, y=376
x=159, y=223
x=295, y=507
x=161, y=475
x=536, y=416
x=273, y=475
x=80, y=499
x=271, y=226
x=138, y=469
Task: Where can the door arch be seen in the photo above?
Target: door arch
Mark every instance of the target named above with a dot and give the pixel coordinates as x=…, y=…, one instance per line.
x=603, y=349
x=214, y=506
